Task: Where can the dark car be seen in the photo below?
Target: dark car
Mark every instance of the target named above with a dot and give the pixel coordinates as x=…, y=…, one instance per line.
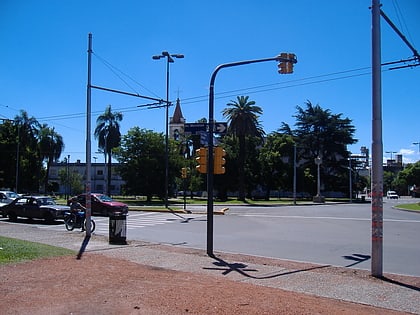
x=34, y=207
x=102, y=204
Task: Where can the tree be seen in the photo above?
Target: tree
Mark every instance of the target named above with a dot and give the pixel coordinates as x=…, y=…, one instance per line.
x=28, y=162
x=107, y=132
x=243, y=118
x=407, y=178
x=51, y=146
x=142, y=158
x=72, y=181
x=8, y=149
x=276, y=160
x=319, y=133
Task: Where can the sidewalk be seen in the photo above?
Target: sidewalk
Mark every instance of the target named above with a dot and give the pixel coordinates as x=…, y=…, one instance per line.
x=395, y=292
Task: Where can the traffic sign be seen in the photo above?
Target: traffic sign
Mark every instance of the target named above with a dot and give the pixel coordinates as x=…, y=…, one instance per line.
x=195, y=128
x=220, y=128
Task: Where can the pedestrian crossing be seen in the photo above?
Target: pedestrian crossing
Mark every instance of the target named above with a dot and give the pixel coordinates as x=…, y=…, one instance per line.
x=138, y=220
x=134, y=220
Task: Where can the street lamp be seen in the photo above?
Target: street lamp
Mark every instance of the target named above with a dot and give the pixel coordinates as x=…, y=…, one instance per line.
x=417, y=143
x=318, y=197
x=169, y=59
x=94, y=174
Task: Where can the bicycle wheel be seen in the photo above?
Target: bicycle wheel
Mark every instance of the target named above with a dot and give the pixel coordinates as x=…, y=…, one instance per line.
x=70, y=222
x=92, y=225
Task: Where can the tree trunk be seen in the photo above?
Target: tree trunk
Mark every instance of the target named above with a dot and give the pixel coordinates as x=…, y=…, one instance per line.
x=108, y=186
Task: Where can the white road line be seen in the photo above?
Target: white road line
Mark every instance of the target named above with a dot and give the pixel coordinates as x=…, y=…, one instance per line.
x=324, y=218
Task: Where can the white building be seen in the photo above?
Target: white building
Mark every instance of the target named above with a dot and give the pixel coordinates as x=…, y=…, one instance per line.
x=98, y=177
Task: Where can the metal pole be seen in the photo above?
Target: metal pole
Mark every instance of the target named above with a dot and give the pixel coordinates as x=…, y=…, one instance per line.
x=210, y=158
x=88, y=141
x=377, y=146
x=350, y=182
x=167, y=133
x=294, y=174
x=17, y=159
x=318, y=181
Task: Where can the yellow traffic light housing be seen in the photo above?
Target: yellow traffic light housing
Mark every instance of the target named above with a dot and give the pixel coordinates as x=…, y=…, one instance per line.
x=184, y=172
x=219, y=160
x=201, y=158
x=286, y=63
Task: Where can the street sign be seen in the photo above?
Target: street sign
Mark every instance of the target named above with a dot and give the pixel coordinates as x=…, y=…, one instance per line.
x=220, y=128
x=195, y=128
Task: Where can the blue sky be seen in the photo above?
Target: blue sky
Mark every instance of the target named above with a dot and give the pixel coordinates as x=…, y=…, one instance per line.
x=43, y=62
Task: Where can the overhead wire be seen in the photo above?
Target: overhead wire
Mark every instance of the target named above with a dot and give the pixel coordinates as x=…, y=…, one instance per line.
x=317, y=79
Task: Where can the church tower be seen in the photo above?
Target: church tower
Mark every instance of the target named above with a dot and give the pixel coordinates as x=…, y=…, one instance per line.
x=176, y=122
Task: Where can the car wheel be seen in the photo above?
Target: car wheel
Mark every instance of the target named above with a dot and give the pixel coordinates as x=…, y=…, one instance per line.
x=12, y=216
x=48, y=218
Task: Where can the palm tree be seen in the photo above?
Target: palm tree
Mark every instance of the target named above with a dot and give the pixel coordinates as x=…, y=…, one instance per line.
x=51, y=146
x=107, y=132
x=242, y=116
x=28, y=163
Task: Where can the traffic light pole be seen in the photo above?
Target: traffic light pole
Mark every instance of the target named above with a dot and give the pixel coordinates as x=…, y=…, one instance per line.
x=210, y=156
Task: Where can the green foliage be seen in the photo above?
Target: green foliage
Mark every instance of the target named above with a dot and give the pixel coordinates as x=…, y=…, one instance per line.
x=13, y=250
x=24, y=145
x=243, y=118
x=142, y=158
x=276, y=159
x=107, y=132
x=408, y=177
x=51, y=146
x=71, y=180
x=320, y=133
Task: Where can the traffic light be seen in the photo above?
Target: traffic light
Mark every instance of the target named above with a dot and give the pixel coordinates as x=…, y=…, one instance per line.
x=201, y=158
x=219, y=160
x=184, y=172
x=286, y=63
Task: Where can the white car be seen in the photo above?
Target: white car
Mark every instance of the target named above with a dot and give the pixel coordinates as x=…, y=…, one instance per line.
x=391, y=195
x=7, y=196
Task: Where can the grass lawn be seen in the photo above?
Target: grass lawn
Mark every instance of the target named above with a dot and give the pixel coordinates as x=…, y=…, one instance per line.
x=14, y=250
x=410, y=206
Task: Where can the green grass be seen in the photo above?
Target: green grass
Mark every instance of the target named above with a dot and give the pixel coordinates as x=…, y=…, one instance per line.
x=14, y=250
x=410, y=206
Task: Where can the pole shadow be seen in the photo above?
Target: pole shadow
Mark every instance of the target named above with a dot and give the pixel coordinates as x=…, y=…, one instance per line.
x=242, y=269
x=357, y=258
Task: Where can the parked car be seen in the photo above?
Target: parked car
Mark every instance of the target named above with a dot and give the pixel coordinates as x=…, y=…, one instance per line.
x=7, y=196
x=34, y=207
x=102, y=204
x=391, y=195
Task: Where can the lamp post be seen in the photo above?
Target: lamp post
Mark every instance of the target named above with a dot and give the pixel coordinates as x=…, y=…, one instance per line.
x=417, y=143
x=294, y=174
x=94, y=174
x=318, y=197
x=68, y=178
x=169, y=59
x=350, y=182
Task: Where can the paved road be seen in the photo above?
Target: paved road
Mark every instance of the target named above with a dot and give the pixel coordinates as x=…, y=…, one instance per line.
x=338, y=235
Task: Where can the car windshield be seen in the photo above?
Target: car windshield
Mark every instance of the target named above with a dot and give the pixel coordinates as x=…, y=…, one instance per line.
x=46, y=201
x=104, y=198
x=12, y=194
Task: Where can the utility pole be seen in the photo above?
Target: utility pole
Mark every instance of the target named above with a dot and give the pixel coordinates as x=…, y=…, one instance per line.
x=377, y=146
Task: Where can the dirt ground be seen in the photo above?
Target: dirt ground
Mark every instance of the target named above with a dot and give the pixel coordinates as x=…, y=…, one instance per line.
x=97, y=284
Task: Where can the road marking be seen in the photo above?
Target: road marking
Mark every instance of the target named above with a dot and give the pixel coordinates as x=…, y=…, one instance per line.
x=134, y=221
x=324, y=218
